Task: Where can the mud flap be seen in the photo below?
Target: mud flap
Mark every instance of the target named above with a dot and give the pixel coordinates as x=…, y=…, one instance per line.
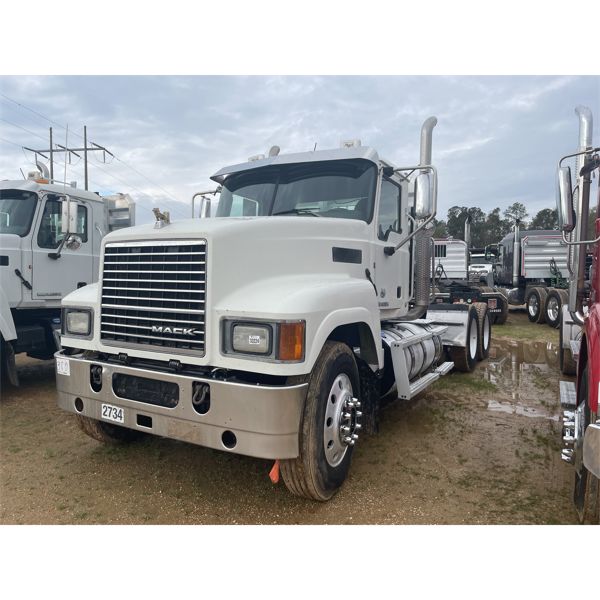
x=455, y=317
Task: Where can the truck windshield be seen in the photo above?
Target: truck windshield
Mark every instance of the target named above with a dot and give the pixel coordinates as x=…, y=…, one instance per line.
x=16, y=211
x=337, y=188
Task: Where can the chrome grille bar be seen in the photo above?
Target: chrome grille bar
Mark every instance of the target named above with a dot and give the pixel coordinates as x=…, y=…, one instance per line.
x=173, y=275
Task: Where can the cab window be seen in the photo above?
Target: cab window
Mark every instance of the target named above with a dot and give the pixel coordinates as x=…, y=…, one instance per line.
x=389, y=210
x=50, y=234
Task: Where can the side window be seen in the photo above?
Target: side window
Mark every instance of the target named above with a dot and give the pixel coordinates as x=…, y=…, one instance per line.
x=389, y=210
x=50, y=234
x=243, y=207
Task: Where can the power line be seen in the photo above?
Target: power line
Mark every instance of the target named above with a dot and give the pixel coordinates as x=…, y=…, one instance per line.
x=168, y=194
x=23, y=128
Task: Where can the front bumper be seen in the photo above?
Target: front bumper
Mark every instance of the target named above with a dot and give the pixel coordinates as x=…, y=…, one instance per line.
x=265, y=420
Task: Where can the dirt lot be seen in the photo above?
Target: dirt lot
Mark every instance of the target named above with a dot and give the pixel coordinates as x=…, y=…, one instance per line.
x=479, y=448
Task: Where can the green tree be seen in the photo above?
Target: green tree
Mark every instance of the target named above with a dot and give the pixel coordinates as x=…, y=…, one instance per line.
x=455, y=223
x=495, y=227
x=440, y=229
x=547, y=218
x=516, y=211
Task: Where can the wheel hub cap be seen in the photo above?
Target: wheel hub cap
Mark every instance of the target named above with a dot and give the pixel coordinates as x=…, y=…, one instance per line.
x=342, y=420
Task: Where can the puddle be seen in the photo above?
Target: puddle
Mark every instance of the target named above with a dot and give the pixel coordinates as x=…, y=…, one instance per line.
x=527, y=372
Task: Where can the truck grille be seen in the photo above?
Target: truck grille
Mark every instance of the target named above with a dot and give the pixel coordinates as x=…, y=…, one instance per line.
x=153, y=295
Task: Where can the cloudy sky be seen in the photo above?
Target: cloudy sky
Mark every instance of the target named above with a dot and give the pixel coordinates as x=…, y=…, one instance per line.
x=497, y=141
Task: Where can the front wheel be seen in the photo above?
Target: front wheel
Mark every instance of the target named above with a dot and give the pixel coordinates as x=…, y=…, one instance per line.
x=107, y=433
x=330, y=426
x=586, y=492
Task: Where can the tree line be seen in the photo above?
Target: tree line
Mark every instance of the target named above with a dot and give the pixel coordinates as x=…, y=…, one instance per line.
x=490, y=228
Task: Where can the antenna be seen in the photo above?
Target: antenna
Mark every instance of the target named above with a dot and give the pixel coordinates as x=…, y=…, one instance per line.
x=315, y=147
x=66, y=146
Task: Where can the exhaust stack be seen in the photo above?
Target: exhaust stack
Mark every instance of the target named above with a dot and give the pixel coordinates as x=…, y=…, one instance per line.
x=422, y=241
x=516, y=253
x=581, y=203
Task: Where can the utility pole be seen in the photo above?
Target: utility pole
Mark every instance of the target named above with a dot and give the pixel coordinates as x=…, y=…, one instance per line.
x=69, y=151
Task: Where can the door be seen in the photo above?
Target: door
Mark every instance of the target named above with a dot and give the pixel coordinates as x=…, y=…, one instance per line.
x=52, y=278
x=392, y=271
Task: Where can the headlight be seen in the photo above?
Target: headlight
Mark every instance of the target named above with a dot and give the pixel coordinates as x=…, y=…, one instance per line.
x=77, y=322
x=253, y=339
x=275, y=342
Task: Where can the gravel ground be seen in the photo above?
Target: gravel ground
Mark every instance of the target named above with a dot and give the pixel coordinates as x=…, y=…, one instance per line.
x=477, y=448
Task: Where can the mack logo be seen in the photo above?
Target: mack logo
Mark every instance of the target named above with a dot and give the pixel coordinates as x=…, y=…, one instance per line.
x=178, y=330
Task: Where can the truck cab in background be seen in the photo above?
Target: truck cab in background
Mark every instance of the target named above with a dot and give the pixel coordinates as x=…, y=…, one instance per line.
x=50, y=239
x=581, y=422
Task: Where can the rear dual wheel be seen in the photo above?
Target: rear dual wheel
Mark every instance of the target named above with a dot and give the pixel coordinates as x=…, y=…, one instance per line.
x=554, y=303
x=536, y=304
x=465, y=358
x=484, y=334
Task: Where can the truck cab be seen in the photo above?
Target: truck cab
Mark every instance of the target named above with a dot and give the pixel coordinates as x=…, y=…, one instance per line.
x=42, y=259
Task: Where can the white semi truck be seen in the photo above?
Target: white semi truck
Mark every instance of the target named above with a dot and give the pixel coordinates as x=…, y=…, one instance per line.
x=275, y=332
x=43, y=257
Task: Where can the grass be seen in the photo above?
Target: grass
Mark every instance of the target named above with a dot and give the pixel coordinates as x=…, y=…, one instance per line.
x=529, y=332
x=467, y=382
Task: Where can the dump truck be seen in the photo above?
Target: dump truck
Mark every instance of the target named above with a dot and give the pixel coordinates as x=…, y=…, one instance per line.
x=276, y=327
x=581, y=422
x=531, y=269
x=43, y=258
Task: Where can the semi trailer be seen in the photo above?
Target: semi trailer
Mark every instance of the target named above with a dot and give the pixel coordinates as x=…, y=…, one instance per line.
x=43, y=257
x=581, y=422
x=277, y=332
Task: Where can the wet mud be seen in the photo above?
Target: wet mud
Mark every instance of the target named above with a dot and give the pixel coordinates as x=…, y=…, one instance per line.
x=479, y=448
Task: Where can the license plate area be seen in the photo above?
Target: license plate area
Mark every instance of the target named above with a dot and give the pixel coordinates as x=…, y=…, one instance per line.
x=492, y=303
x=144, y=389
x=112, y=413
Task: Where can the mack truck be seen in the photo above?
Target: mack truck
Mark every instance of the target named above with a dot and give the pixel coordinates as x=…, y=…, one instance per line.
x=43, y=258
x=581, y=422
x=277, y=327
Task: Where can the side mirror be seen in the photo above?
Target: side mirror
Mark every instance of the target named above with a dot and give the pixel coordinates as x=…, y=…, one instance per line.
x=68, y=223
x=204, y=212
x=73, y=242
x=564, y=204
x=423, y=196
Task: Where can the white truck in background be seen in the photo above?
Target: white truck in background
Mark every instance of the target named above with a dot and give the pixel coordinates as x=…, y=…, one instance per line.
x=43, y=258
x=274, y=329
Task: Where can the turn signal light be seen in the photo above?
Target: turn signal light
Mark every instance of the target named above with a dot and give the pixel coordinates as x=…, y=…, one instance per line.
x=291, y=341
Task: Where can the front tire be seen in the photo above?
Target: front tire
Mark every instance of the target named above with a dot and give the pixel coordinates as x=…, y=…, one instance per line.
x=566, y=362
x=586, y=493
x=326, y=446
x=107, y=433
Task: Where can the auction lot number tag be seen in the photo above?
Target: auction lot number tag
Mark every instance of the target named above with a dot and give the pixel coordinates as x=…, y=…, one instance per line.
x=113, y=413
x=63, y=366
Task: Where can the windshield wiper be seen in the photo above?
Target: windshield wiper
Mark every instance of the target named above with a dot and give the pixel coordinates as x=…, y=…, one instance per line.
x=296, y=211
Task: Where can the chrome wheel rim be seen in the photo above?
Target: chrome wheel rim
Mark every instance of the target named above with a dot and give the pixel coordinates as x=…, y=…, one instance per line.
x=533, y=305
x=473, y=341
x=342, y=420
x=486, y=332
x=553, y=309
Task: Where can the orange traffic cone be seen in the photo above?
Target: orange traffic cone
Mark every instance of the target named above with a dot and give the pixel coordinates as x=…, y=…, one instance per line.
x=274, y=472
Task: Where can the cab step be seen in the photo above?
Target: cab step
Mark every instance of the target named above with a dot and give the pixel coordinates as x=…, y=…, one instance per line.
x=568, y=393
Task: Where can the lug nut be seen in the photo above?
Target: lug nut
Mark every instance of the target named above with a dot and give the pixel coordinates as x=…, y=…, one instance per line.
x=347, y=439
x=569, y=424
x=358, y=414
x=345, y=429
x=347, y=415
x=354, y=436
x=568, y=439
x=357, y=427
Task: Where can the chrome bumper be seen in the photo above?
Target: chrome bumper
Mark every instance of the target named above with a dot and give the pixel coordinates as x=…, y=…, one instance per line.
x=264, y=419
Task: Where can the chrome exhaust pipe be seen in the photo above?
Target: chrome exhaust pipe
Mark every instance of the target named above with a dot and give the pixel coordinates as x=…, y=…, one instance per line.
x=422, y=241
x=581, y=203
x=516, y=254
